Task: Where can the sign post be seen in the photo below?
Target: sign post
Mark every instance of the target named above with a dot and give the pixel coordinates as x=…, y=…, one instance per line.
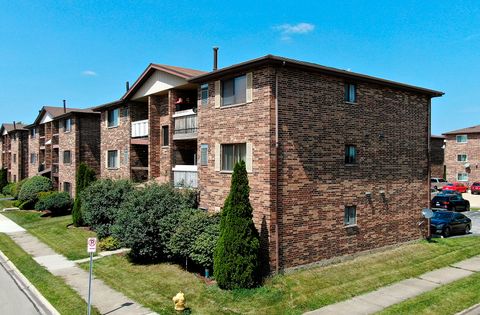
x=91, y=248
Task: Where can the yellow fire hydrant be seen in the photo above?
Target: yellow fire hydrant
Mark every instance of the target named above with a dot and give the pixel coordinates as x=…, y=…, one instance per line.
x=179, y=301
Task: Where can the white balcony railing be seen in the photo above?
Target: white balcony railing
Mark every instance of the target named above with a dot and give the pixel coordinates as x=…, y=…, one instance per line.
x=185, y=125
x=140, y=128
x=185, y=176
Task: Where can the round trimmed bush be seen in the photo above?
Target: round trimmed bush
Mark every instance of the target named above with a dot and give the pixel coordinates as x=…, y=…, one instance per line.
x=32, y=186
x=57, y=202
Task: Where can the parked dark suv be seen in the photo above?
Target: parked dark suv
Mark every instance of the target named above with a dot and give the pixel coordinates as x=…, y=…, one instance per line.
x=452, y=202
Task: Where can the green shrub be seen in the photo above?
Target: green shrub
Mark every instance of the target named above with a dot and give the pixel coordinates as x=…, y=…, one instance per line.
x=101, y=202
x=237, y=252
x=31, y=187
x=26, y=205
x=188, y=230
x=7, y=190
x=203, y=248
x=109, y=243
x=85, y=176
x=17, y=187
x=147, y=220
x=16, y=203
x=57, y=202
x=3, y=178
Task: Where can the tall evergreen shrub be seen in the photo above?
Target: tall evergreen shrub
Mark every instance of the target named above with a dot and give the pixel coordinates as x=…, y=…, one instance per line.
x=85, y=176
x=3, y=178
x=236, y=260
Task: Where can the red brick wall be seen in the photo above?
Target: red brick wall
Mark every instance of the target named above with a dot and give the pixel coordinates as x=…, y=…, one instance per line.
x=33, y=147
x=68, y=142
x=471, y=148
x=18, y=169
x=437, y=156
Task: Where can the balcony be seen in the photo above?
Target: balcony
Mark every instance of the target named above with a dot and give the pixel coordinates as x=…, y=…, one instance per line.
x=185, y=125
x=185, y=176
x=140, y=128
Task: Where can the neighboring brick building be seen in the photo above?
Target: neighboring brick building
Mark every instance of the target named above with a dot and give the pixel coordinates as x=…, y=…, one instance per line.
x=14, y=144
x=437, y=156
x=462, y=155
x=331, y=155
x=61, y=139
x=150, y=134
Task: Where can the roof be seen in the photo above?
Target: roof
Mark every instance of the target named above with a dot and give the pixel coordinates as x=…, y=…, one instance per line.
x=437, y=137
x=473, y=129
x=282, y=61
x=107, y=105
x=58, y=112
x=10, y=127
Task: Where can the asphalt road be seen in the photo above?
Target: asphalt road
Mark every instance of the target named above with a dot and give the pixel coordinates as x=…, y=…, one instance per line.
x=475, y=217
x=12, y=299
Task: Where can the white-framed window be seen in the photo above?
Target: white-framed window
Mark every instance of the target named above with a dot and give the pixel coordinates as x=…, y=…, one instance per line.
x=350, y=92
x=462, y=158
x=113, y=117
x=462, y=177
x=165, y=136
x=67, y=187
x=232, y=154
x=234, y=91
x=33, y=158
x=67, y=125
x=112, y=159
x=204, y=154
x=67, y=157
x=14, y=158
x=204, y=94
x=350, y=215
x=350, y=154
x=462, y=138
x=33, y=133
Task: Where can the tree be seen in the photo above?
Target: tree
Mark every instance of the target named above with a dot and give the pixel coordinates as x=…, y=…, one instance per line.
x=3, y=178
x=236, y=260
x=85, y=176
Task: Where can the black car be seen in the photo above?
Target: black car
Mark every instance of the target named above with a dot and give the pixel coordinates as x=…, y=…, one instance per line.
x=447, y=223
x=452, y=202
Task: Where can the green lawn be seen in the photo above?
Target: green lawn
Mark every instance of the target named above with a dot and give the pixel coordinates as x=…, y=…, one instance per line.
x=5, y=204
x=474, y=209
x=53, y=288
x=448, y=299
x=295, y=293
x=68, y=241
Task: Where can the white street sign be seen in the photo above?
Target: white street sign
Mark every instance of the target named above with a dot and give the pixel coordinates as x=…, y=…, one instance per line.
x=92, y=245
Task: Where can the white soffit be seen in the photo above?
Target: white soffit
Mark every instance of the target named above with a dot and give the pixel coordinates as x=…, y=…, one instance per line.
x=46, y=118
x=5, y=132
x=159, y=81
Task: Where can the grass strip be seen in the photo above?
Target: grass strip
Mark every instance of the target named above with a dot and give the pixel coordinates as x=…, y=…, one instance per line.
x=53, y=288
x=447, y=299
x=154, y=285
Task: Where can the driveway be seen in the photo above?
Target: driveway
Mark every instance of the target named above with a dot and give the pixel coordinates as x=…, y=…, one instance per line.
x=474, y=199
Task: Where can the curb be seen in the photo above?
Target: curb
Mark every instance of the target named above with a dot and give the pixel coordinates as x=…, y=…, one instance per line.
x=37, y=299
x=475, y=309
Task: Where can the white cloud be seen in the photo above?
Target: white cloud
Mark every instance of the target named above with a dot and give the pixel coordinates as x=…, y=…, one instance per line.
x=287, y=30
x=89, y=73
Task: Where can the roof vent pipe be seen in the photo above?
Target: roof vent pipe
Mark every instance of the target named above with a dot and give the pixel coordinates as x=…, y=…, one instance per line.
x=64, y=106
x=14, y=125
x=127, y=85
x=215, y=58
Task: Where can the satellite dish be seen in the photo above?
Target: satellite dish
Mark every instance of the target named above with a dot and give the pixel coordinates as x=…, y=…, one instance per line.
x=427, y=213
x=467, y=165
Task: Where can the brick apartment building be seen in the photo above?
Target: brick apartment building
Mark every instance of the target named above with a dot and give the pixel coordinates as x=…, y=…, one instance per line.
x=330, y=153
x=59, y=140
x=14, y=144
x=462, y=155
x=437, y=156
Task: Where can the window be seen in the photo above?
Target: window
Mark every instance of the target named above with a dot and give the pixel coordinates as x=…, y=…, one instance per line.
x=14, y=158
x=204, y=94
x=67, y=187
x=350, y=92
x=234, y=91
x=33, y=132
x=15, y=178
x=67, y=157
x=462, y=139
x=204, y=154
x=462, y=158
x=67, y=125
x=113, y=117
x=33, y=158
x=350, y=154
x=350, y=215
x=112, y=159
x=232, y=154
x=165, y=136
x=462, y=177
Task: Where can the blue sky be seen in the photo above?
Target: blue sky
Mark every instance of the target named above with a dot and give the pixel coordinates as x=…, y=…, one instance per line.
x=84, y=51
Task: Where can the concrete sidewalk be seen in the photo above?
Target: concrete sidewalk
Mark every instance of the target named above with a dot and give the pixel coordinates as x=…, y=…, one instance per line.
x=382, y=298
x=104, y=298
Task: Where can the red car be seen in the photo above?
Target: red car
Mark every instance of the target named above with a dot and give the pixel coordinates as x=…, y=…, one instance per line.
x=458, y=187
x=475, y=188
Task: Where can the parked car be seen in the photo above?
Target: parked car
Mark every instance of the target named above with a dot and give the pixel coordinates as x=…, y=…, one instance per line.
x=433, y=192
x=437, y=183
x=447, y=223
x=460, y=187
x=475, y=188
x=452, y=202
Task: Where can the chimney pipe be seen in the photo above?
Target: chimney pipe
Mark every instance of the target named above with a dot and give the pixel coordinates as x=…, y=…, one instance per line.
x=14, y=125
x=127, y=85
x=64, y=106
x=215, y=58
